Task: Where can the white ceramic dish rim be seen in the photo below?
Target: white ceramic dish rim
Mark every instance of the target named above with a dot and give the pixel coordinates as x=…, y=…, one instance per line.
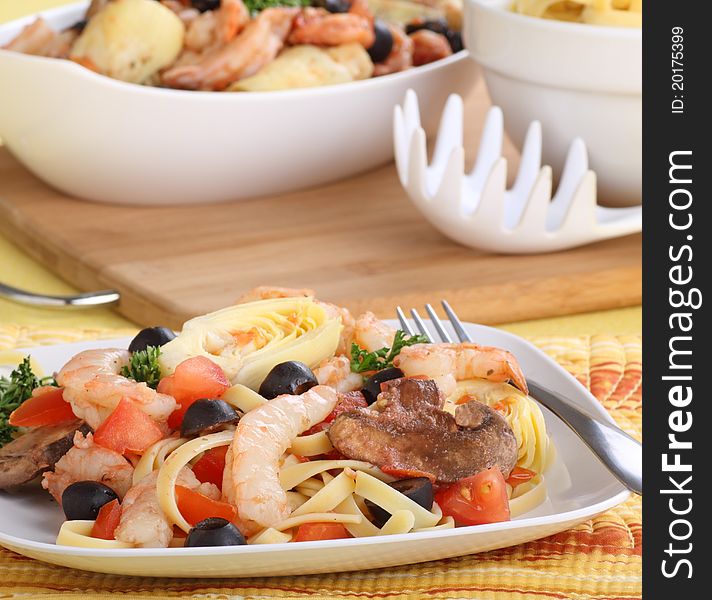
x=523, y=522
x=64, y=12
x=501, y=6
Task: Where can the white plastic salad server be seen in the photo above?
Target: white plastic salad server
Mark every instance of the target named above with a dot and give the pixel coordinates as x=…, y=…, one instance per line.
x=476, y=209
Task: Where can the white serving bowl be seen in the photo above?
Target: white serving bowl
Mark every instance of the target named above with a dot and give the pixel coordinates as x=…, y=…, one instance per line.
x=109, y=141
x=577, y=79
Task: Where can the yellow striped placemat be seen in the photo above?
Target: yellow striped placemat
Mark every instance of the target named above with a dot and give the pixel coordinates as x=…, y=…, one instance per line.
x=599, y=559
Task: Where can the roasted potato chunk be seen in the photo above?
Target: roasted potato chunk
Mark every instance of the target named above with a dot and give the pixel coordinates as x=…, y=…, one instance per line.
x=130, y=40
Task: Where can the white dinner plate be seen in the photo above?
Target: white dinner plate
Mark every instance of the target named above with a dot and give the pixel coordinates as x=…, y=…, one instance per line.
x=579, y=488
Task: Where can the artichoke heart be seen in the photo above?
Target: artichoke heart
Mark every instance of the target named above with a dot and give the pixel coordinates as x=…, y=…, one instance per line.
x=247, y=340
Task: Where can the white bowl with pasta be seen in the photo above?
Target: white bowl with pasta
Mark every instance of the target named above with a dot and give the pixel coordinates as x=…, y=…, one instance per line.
x=105, y=140
x=579, y=79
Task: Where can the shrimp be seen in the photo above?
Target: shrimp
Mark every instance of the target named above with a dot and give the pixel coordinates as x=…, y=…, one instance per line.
x=86, y=461
x=40, y=39
x=448, y=363
x=372, y=334
x=216, y=27
x=251, y=476
x=143, y=523
x=187, y=14
x=336, y=373
x=429, y=46
x=257, y=45
x=401, y=56
x=93, y=386
x=322, y=28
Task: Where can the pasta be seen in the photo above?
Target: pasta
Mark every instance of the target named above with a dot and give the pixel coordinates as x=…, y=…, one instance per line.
x=311, y=461
x=616, y=13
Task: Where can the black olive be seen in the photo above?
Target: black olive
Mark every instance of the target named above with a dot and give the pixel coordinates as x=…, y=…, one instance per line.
x=291, y=377
x=205, y=416
x=79, y=26
x=83, y=499
x=383, y=43
x=214, y=531
x=418, y=489
x=334, y=6
x=437, y=25
x=203, y=5
x=455, y=39
x=372, y=386
x=151, y=336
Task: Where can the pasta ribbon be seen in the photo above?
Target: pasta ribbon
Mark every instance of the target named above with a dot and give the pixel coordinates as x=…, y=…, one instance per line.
x=328, y=497
x=247, y=340
x=168, y=473
x=294, y=475
x=243, y=398
x=155, y=456
x=392, y=500
x=401, y=521
x=312, y=445
x=78, y=533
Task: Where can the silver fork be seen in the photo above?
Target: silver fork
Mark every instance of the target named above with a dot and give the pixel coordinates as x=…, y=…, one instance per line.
x=620, y=453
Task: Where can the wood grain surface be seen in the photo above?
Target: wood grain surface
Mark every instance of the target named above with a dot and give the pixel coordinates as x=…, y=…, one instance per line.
x=358, y=242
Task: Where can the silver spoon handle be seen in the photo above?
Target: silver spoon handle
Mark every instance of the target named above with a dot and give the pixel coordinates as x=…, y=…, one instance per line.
x=622, y=454
x=86, y=300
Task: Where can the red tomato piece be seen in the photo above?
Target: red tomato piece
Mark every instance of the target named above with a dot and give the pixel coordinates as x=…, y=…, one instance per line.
x=195, y=506
x=476, y=500
x=210, y=467
x=346, y=403
x=519, y=475
x=46, y=406
x=195, y=378
x=107, y=521
x=406, y=473
x=127, y=429
x=310, y=532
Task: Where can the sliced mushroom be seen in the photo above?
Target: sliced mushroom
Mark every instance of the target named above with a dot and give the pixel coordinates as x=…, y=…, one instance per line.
x=36, y=451
x=406, y=429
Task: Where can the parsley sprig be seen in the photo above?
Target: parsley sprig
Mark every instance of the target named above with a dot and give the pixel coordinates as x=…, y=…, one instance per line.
x=362, y=360
x=14, y=391
x=255, y=6
x=144, y=366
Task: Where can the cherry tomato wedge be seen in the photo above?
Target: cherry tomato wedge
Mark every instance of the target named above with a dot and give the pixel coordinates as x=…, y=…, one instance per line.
x=348, y=402
x=310, y=532
x=195, y=378
x=46, y=406
x=196, y=507
x=107, y=521
x=476, y=500
x=127, y=429
x=210, y=467
x=520, y=475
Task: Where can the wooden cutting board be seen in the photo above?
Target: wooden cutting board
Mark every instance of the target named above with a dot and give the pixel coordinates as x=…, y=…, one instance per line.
x=358, y=242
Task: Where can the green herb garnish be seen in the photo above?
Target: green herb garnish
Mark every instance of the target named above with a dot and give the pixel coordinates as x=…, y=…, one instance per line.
x=362, y=361
x=255, y=6
x=144, y=366
x=14, y=391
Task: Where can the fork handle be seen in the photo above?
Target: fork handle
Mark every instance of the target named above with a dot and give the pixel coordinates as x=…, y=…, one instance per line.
x=85, y=300
x=619, y=452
